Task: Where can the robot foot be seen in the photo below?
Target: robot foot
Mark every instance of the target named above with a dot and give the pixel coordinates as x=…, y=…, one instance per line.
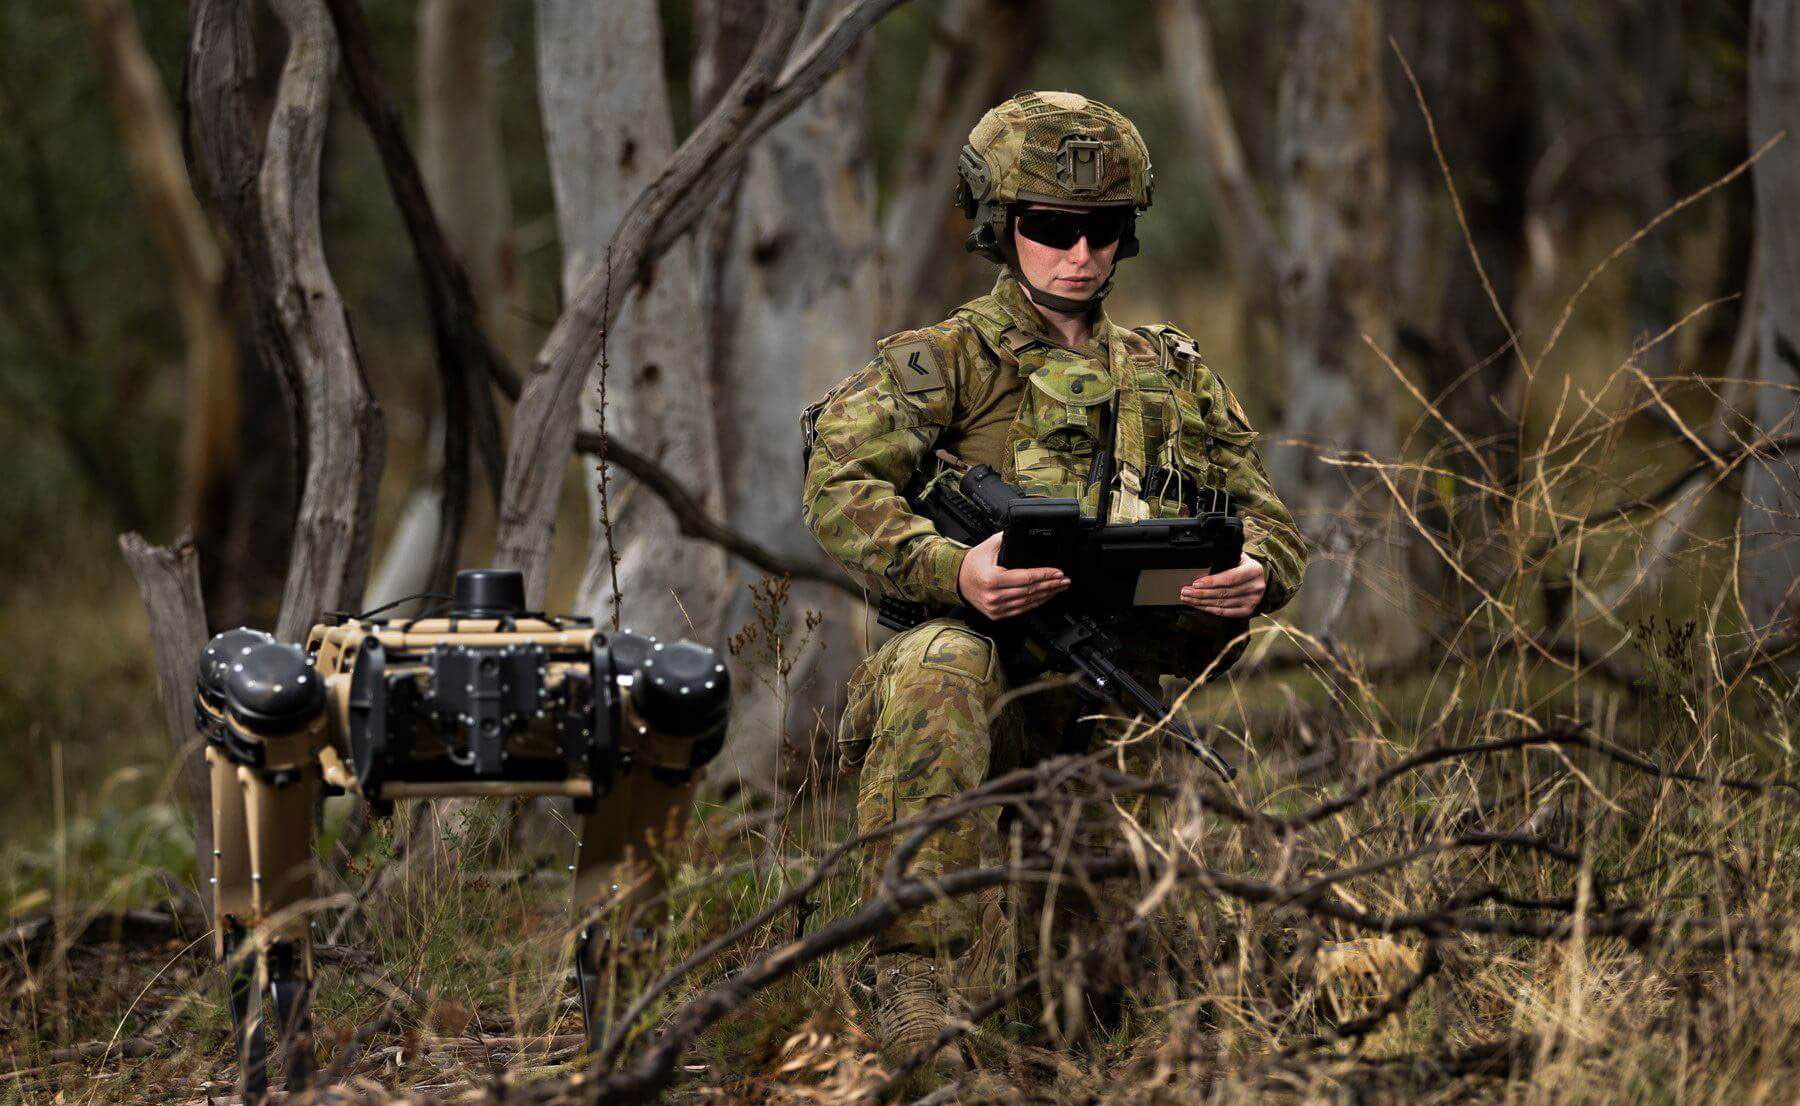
x=594, y=954
x=290, y=993
x=247, y=1025
x=587, y=983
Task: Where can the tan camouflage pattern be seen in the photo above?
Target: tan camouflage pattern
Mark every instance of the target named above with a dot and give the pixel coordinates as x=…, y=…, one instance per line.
x=921, y=724
x=1009, y=397
x=1012, y=398
x=1061, y=147
x=918, y=724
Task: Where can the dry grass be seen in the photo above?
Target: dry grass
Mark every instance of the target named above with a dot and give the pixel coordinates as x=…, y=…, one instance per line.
x=1531, y=924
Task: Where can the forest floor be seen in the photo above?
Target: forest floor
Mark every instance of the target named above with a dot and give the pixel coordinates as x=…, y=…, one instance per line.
x=1663, y=973
x=1588, y=892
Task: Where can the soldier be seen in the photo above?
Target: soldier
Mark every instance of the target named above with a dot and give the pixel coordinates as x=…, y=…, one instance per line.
x=1028, y=379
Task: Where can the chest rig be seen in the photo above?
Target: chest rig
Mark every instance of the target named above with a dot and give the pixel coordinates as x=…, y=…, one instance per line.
x=1143, y=410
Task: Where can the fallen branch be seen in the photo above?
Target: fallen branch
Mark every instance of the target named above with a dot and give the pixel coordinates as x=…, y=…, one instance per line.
x=1074, y=783
x=36, y=934
x=130, y=1048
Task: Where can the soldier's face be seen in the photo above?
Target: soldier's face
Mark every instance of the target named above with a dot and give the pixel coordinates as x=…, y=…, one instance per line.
x=1077, y=272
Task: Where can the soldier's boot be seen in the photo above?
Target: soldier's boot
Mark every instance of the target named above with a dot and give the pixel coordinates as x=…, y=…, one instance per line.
x=912, y=1006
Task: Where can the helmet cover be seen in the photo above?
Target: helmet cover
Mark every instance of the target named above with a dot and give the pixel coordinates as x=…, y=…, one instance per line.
x=1049, y=147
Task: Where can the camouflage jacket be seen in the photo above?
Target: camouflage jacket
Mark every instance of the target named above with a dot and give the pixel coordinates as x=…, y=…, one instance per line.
x=961, y=386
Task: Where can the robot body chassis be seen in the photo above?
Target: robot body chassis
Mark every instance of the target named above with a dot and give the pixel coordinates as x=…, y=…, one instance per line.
x=488, y=699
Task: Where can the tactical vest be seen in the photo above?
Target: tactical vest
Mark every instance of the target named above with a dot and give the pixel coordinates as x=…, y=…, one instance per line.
x=1156, y=406
x=1173, y=449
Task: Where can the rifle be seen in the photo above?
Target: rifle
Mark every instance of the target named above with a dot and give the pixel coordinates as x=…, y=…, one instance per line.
x=1103, y=562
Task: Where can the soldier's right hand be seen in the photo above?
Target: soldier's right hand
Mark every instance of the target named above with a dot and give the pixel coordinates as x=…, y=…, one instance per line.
x=1004, y=592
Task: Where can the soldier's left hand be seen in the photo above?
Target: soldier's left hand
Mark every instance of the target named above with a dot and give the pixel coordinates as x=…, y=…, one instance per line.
x=1233, y=593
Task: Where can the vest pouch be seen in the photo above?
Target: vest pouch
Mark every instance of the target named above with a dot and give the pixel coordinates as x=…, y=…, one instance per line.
x=1204, y=450
x=1066, y=402
x=1057, y=430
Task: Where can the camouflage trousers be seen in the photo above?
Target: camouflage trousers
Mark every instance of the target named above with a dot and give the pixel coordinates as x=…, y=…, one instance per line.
x=922, y=719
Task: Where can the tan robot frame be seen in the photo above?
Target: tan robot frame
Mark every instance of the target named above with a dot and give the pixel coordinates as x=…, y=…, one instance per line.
x=268, y=772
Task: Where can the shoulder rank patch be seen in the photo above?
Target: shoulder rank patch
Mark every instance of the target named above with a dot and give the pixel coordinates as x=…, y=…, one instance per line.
x=914, y=364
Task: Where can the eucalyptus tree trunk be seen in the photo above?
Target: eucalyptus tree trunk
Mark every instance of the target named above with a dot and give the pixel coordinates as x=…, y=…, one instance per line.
x=724, y=32
x=1769, y=519
x=802, y=279
x=269, y=201
x=463, y=163
x=981, y=53
x=1187, y=49
x=608, y=130
x=152, y=139
x=463, y=160
x=1334, y=292
x=1474, y=69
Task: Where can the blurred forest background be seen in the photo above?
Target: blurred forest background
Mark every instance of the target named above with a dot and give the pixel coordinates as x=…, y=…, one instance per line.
x=1492, y=278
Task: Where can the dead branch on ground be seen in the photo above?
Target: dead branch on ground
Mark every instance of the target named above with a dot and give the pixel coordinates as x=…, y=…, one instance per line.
x=1051, y=798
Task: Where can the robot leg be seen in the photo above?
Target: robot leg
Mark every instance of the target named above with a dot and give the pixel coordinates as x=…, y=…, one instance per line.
x=233, y=907
x=615, y=868
x=280, y=811
x=261, y=706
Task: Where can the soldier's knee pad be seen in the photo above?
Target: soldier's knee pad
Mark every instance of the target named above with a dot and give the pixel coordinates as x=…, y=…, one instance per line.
x=938, y=692
x=943, y=648
x=934, y=680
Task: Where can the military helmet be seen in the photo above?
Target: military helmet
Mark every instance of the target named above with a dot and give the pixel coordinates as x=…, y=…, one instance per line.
x=1049, y=147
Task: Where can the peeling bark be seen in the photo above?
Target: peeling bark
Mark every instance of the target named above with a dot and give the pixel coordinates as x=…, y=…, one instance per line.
x=1335, y=291
x=1769, y=521
x=804, y=270
x=682, y=192
x=343, y=423
x=269, y=201
x=544, y=422
x=608, y=129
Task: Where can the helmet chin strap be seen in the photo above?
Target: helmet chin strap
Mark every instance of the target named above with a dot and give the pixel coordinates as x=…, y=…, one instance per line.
x=1046, y=298
x=1054, y=302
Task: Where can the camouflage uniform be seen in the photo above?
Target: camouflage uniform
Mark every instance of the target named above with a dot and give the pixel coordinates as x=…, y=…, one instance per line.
x=919, y=705
x=991, y=385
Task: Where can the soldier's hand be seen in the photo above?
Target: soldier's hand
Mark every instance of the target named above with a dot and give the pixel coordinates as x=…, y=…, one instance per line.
x=1004, y=592
x=1233, y=593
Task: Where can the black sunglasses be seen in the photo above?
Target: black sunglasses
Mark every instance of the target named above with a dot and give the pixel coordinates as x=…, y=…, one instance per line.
x=1060, y=230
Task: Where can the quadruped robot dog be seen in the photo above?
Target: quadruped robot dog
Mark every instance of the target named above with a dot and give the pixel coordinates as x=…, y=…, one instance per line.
x=486, y=698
